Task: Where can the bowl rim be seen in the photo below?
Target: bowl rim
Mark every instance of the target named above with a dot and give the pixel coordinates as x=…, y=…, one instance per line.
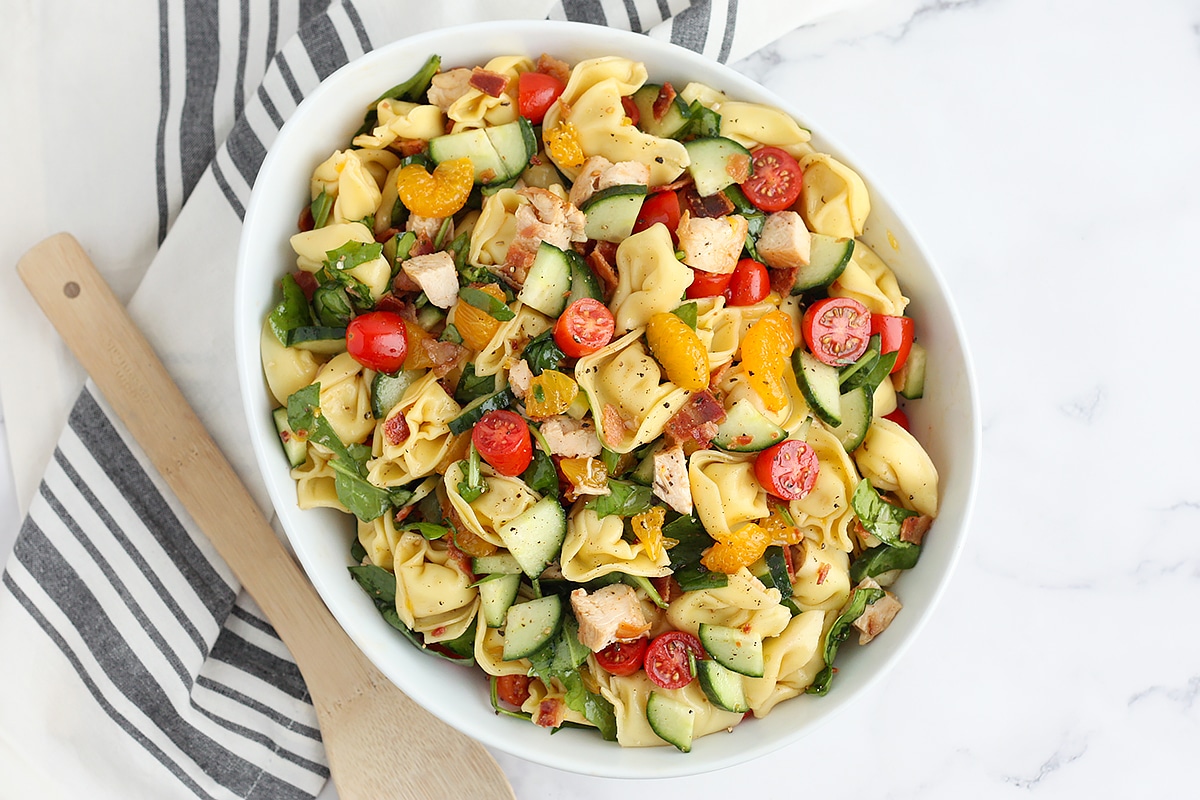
x=247, y=321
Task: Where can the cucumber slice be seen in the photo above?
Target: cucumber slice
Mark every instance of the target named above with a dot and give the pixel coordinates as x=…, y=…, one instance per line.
x=711, y=166
x=318, y=339
x=502, y=563
x=583, y=280
x=857, y=407
x=772, y=572
x=827, y=259
x=295, y=448
x=477, y=408
x=671, y=720
x=643, y=473
x=733, y=648
x=536, y=535
x=747, y=430
x=496, y=595
x=387, y=390
x=529, y=626
x=515, y=144
x=675, y=117
x=548, y=282
x=819, y=385
x=910, y=379
x=498, y=154
x=722, y=686
x=612, y=212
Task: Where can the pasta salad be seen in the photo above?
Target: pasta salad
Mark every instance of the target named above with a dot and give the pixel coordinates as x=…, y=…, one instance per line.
x=612, y=389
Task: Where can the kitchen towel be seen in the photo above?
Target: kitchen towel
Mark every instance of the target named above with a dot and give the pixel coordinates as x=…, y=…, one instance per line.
x=131, y=664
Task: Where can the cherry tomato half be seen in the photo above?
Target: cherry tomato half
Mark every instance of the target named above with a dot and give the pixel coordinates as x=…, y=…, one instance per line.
x=667, y=663
x=788, y=470
x=708, y=284
x=895, y=333
x=513, y=689
x=536, y=92
x=502, y=439
x=623, y=658
x=585, y=327
x=899, y=417
x=836, y=330
x=774, y=182
x=378, y=340
x=659, y=207
x=749, y=284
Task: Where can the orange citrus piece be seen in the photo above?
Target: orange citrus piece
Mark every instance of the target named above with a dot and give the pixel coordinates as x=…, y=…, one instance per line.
x=766, y=349
x=440, y=194
x=742, y=548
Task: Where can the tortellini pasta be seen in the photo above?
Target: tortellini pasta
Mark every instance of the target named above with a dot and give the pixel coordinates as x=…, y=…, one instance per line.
x=346, y=398
x=509, y=340
x=743, y=603
x=476, y=108
x=871, y=282
x=826, y=511
x=628, y=696
x=315, y=481
x=287, y=369
x=594, y=547
x=833, y=198
x=726, y=493
x=432, y=596
x=895, y=462
x=427, y=410
x=791, y=661
x=397, y=119
x=754, y=124
x=503, y=501
x=651, y=280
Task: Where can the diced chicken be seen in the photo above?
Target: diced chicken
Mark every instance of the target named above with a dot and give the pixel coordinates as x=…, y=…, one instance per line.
x=429, y=227
x=599, y=173
x=569, y=437
x=546, y=218
x=607, y=615
x=712, y=245
x=878, y=615
x=436, y=275
x=784, y=241
x=671, y=482
x=448, y=86
x=519, y=378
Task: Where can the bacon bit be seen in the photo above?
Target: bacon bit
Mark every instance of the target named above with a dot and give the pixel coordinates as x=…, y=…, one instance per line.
x=718, y=375
x=423, y=246
x=487, y=176
x=913, y=529
x=783, y=279
x=492, y=84
x=403, y=283
x=396, y=430
x=438, y=631
x=402, y=513
x=715, y=205
x=306, y=222
x=383, y=236
x=513, y=689
x=517, y=261
x=551, y=713
x=789, y=559
x=679, y=183
x=459, y=556
x=614, y=425
x=307, y=282
x=631, y=110
x=666, y=96
x=696, y=421
x=667, y=587
x=738, y=168
x=444, y=355
x=822, y=574
x=409, y=147
x=601, y=265
x=554, y=67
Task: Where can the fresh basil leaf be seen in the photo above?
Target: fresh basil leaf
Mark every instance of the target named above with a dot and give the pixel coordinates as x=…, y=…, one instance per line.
x=543, y=353
x=375, y=581
x=353, y=254
x=624, y=498
x=361, y=497
x=839, y=632
x=471, y=386
x=472, y=485
x=332, y=305
x=291, y=312
x=459, y=248
x=443, y=232
x=413, y=90
x=883, y=558
x=357, y=552
x=540, y=475
x=881, y=519
x=703, y=122
x=320, y=208
x=430, y=530
x=688, y=312
x=397, y=248
x=685, y=556
x=496, y=309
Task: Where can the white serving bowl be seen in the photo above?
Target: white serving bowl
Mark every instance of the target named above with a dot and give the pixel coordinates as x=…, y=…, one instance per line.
x=946, y=421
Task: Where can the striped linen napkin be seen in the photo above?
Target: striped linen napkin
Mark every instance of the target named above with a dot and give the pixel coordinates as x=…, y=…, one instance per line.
x=131, y=664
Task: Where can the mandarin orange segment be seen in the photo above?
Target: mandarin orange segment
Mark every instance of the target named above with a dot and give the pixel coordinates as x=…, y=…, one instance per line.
x=440, y=194
x=766, y=349
x=550, y=393
x=679, y=349
x=474, y=325
x=740, y=549
x=587, y=475
x=647, y=526
x=563, y=145
x=779, y=530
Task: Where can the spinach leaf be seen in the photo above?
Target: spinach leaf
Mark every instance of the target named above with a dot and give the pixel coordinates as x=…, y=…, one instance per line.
x=692, y=540
x=688, y=312
x=430, y=530
x=542, y=353
x=353, y=254
x=496, y=309
x=291, y=312
x=839, y=632
x=625, y=499
x=472, y=485
x=361, y=497
x=883, y=558
x=320, y=208
x=413, y=90
x=879, y=517
x=560, y=659
x=332, y=305
x=472, y=386
x=540, y=475
x=303, y=419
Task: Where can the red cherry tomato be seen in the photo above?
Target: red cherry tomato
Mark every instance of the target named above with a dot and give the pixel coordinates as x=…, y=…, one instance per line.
x=513, y=689
x=749, y=284
x=623, y=658
x=899, y=417
x=536, y=92
x=667, y=663
x=788, y=470
x=708, y=284
x=836, y=330
x=502, y=439
x=585, y=327
x=774, y=182
x=659, y=207
x=378, y=340
x=895, y=333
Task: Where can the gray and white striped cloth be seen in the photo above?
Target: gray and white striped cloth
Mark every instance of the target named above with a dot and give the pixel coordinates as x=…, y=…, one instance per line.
x=131, y=664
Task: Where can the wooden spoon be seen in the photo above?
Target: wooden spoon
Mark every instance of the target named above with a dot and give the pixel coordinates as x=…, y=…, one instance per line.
x=380, y=743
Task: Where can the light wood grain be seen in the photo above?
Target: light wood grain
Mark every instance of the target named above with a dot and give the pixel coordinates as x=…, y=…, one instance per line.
x=380, y=743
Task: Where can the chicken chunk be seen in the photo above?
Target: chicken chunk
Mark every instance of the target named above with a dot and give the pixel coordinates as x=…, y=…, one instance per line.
x=607, y=615
x=599, y=173
x=784, y=241
x=712, y=244
x=547, y=218
x=436, y=275
x=570, y=438
x=671, y=479
x=448, y=86
x=519, y=378
x=429, y=227
x=878, y=615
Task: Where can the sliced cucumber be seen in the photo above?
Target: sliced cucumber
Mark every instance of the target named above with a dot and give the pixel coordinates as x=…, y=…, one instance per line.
x=643, y=473
x=675, y=117
x=477, y=408
x=612, y=212
x=910, y=379
x=827, y=258
x=704, y=121
x=747, y=430
x=498, y=154
x=536, y=535
x=733, y=648
x=318, y=339
x=819, y=385
x=583, y=280
x=387, y=390
x=295, y=448
x=672, y=720
x=713, y=163
x=549, y=281
x=516, y=144
x=722, y=686
x=772, y=572
x=529, y=626
x=502, y=563
x=857, y=406
x=497, y=593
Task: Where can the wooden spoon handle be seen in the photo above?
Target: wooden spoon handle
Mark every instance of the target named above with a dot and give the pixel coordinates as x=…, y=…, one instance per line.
x=359, y=709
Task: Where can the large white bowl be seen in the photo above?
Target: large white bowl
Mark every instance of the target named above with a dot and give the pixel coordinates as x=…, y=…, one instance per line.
x=946, y=420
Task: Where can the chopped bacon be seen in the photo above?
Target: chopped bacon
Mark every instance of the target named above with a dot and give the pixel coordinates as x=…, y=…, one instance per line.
x=517, y=262
x=402, y=283
x=913, y=529
x=631, y=110
x=696, y=421
x=600, y=260
x=307, y=282
x=783, y=279
x=306, y=221
x=423, y=246
x=550, y=713
x=389, y=302
x=554, y=67
x=718, y=375
x=492, y=84
x=614, y=425
x=396, y=430
x=667, y=587
x=681, y=182
x=460, y=559
x=383, y=236
x=714, y=205
x=822, y=573
x=409, y=147
x=444, y=355
x=666, y=96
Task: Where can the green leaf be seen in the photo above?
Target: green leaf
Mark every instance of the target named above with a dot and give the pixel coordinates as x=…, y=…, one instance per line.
x=430, y=530
x=320, y=209
x=472, y=485
x=472, y=386
x=685, y=556
x=353, y=254
x=560, y=660
x=375, y=581
x=496, y=309
x=540, y=475
x=881, y=519
x=332, y=305
x=291, y=312
x=363, y=498
x=625, y=498
x=883, y=558
x=413, y=90
x=839, y=632
x=543, y=353
x=396, y=249
x=688, y=312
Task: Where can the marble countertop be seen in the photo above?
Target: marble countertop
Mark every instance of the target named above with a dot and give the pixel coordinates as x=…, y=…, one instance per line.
x=1045, y=151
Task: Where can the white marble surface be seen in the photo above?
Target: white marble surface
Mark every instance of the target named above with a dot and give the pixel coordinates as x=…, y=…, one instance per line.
x=1046, y=152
